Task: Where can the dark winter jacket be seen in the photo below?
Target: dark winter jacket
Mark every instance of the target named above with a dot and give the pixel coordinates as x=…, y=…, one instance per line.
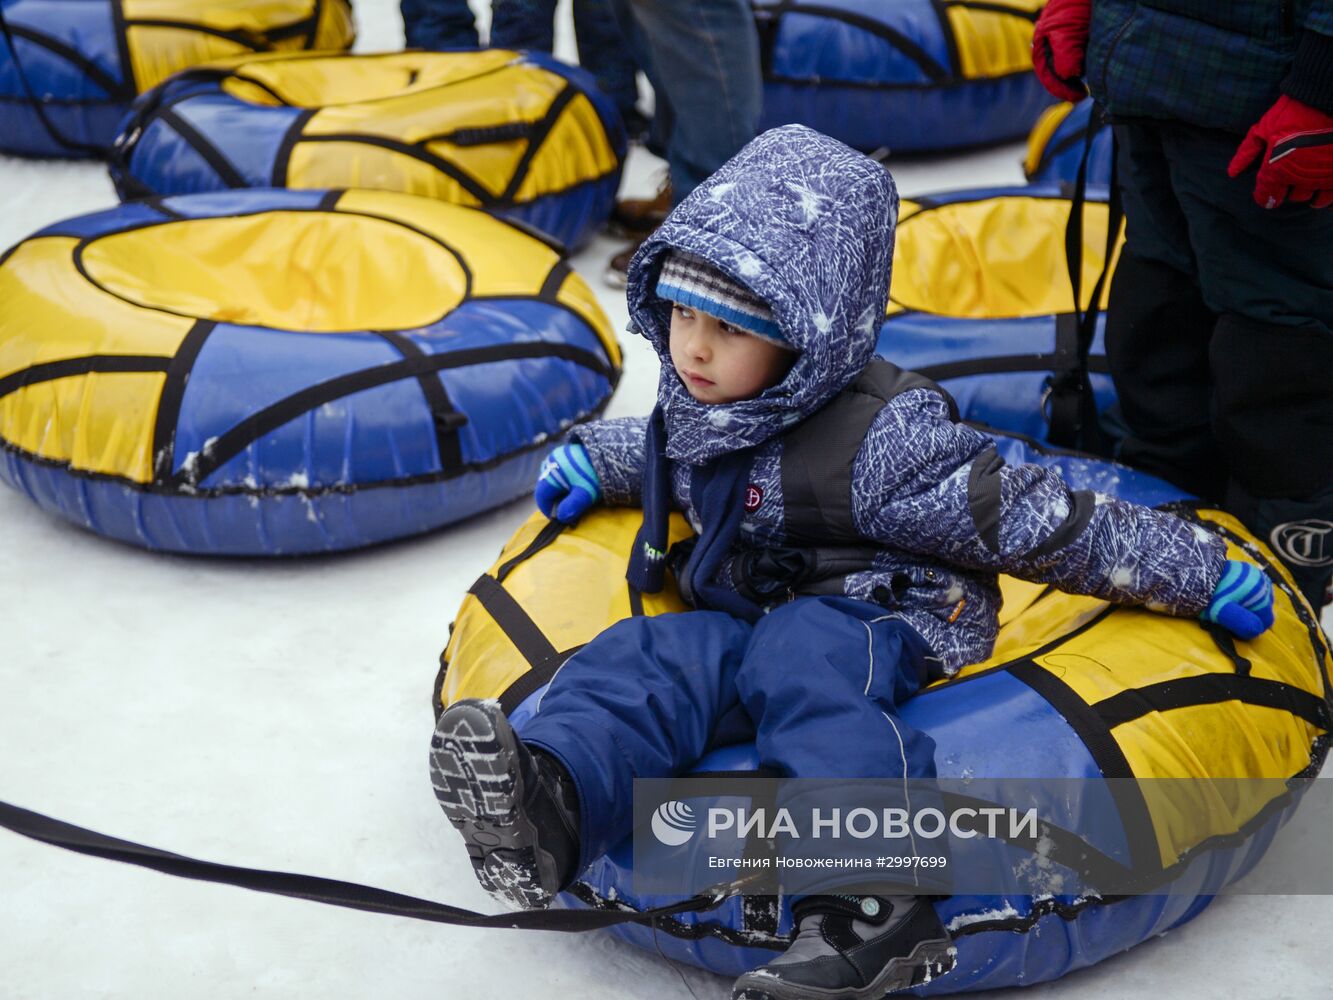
x=1213, y=63
x=807, y=224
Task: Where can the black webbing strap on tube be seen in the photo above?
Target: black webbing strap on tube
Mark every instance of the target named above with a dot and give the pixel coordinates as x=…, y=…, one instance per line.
x=331, y=892
x=1070, y=403
x=118, y=154
x=36, y=103
x=768, y=19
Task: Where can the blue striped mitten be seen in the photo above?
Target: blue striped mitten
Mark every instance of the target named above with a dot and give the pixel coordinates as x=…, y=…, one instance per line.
x=567, y=485
x=1242, y=601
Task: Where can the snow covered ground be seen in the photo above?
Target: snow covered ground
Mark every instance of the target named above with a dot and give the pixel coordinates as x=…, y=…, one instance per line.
x=277, y=715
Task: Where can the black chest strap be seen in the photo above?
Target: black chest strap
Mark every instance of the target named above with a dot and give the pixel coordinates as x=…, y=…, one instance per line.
x=822, y=546
x=818, y=454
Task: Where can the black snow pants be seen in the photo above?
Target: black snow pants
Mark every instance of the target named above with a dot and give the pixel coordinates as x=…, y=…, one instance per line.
x=1220, y=341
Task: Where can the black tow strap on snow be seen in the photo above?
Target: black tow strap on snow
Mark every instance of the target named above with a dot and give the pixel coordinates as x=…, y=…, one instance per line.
x=331, y=892
x=1071, y=404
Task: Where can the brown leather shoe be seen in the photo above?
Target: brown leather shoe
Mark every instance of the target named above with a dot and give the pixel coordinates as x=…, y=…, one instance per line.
x=637, y=217
x=617, y=268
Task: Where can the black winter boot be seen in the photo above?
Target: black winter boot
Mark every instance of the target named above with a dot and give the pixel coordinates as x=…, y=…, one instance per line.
x=854, y=948
x=516, y=808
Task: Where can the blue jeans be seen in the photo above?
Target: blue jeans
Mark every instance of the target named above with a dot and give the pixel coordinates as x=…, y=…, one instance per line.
x=815, y=683
x=702, y=57
x=438, y=24
x=529, y=24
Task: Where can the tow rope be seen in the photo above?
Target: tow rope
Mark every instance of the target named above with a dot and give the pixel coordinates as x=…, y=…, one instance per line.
x=335, y=892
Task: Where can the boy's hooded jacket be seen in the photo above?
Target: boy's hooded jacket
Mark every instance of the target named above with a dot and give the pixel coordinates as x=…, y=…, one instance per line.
x=807, y=224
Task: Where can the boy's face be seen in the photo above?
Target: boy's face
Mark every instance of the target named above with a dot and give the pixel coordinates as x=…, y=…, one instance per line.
x=720, y=363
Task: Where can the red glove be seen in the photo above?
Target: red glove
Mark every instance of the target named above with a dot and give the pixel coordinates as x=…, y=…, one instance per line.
x=1296, y=142
x=1059, y=42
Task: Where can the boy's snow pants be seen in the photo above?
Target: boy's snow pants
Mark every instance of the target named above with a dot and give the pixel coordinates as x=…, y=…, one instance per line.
x=816, y=683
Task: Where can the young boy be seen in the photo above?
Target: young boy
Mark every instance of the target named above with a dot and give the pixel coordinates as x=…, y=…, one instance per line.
x=849, y=535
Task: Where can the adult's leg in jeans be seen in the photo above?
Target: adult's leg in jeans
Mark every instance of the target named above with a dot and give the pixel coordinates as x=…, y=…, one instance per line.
x=438, y=24
x=642, y=700
x=529, y=24
x=1158, y=328
x=604, y=52
x=1269, y=274
x=659, y=129
x=703, y=57
x=523, y=24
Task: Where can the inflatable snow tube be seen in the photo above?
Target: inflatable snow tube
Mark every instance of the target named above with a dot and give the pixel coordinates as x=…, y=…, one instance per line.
x=70, y=68
x=982, y=303
x=909, y=75
x=1162, y=699
x=524, y=136
x=1056, y=142
x=277, y=372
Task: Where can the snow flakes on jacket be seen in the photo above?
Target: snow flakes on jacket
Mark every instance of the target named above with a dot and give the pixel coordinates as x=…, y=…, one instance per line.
x=807, y=224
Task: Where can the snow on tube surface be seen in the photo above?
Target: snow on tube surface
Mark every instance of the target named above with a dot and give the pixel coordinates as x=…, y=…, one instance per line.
x=521, y=135
x=271, y=372
x=1055, y=146
x=1165, y=701
x=981, y=300
x=83, y=61
x=908, y=75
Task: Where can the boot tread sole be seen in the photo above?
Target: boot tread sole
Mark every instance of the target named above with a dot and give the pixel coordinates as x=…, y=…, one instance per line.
x=474, y=771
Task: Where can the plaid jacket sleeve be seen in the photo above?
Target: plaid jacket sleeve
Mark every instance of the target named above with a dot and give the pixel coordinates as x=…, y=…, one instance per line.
x=938, y=488
x=1311, y=77
x=617, y=449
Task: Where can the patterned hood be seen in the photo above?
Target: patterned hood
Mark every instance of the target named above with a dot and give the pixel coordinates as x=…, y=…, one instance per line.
x=805, y=223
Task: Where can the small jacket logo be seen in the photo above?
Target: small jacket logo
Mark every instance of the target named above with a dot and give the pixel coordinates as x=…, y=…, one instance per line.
x=1305, y=543
x=673, y=823
x=754, y=496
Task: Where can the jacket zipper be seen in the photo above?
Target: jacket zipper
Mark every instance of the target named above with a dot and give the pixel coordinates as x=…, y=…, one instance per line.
x=1288, y=16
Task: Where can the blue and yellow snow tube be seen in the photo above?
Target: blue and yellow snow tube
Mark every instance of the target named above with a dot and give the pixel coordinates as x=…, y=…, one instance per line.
x=70, y=68
x=1109, y=697
x=908, y=75
x=982, y=302
x=1056, y=144
x=276, y=372
x=524, y=136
